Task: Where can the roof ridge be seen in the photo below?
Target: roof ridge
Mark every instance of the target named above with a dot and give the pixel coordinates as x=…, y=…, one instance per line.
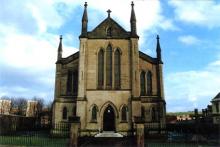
x=147, y=57
x=217, y=96
x=108, y=18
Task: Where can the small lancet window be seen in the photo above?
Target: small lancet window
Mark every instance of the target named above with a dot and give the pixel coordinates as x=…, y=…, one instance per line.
x=64, y=113
x=74, y=110
x=153, y=114
x=149, y=83
x=94, y=113
x=217, y=107
x=142, y=112
x=109, y=31
x=124, y=113
x=142, y=78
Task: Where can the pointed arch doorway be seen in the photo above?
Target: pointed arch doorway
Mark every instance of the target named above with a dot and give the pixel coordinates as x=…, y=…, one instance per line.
x=109, y=119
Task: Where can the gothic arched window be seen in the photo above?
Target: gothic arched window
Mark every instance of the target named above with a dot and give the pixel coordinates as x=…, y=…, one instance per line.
x=117, y=69
x=75, y=82
x=94, y=113
x=72, y=82
x=74, y=110
x=153, y=114
x=124, y=113
x=69, y=82
x=217, y=107
x=149, y=83
x=142, y=112
x=64, y=116
x=109, y=67
x=142, y=81
x=100, y=69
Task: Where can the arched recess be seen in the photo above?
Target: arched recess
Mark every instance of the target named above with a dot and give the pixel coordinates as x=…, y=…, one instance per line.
x=149, y=83
x=64, y=113
x=101, y=69
x=109, y=31
x=142, y=83
x=105, y=105
x=94, y=112
x=109, y=67
x=117, y=68
x=124, y=113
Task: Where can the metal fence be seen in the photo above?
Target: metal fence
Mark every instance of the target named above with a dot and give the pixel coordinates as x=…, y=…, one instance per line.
x=189, y=135
x=47, y=136
x=183, y=134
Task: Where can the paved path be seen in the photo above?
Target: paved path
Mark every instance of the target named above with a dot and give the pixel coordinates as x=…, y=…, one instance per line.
x=108, y=142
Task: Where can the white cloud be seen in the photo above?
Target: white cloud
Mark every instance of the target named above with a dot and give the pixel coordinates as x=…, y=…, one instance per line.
x=19, y=91
x=149, y=15
x=38, y=50
x=193, y=88
x=198, y=12
x=35, y=51
x=189, y=40
x=167, y=24
x=27, y=46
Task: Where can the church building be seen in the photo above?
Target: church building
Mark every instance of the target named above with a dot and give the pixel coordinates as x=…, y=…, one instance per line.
x=109, y=82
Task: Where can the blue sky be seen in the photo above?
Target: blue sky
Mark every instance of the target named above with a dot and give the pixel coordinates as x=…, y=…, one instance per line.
x=189, y=32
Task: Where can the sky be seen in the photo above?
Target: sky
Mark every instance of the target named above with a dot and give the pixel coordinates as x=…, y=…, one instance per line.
x=189, y=35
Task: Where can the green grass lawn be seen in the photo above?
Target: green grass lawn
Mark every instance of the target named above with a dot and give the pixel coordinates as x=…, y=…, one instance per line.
x=33, y=141
x=178, y=144
x=62, y=142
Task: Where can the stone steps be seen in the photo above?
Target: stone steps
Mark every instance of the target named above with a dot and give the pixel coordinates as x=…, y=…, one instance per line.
x=108, y=134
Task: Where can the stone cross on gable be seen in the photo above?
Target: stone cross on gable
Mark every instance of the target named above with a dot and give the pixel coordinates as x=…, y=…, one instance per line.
x=109, y=11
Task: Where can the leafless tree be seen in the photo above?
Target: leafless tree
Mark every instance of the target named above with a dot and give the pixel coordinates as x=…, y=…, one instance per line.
x=40, y=105
x=21, y=104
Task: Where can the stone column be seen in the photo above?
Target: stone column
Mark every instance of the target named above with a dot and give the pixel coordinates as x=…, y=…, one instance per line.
x=140, y=131
x=140, y=135
x=74, y=131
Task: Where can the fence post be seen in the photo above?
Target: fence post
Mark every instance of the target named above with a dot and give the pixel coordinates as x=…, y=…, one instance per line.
x=74, y=131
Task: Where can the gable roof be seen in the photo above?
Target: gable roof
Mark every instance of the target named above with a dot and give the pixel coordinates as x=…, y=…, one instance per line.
x=117, y=32
x=217, y=97
x=147, y=57
x=69, y=58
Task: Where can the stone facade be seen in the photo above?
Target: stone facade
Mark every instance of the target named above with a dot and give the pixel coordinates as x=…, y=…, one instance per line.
x=5, y=107
x=113, y=105
x=31, y=110
x=216, y=109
